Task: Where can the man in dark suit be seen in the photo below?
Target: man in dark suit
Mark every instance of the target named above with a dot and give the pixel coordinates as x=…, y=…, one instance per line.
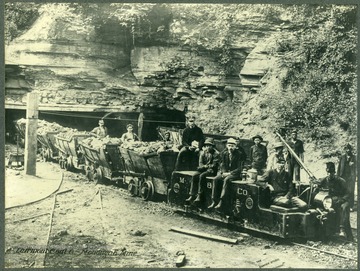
x=298, y=147
x=258, y=155
x=191, y=143
x=208, y=166
x=231, y=162
x=282, y=189
x=347, y=171
x=339, y=193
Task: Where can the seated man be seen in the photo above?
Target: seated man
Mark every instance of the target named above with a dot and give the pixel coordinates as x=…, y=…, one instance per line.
x=230, y=169
x=340, y=195
x=208, y=165
x=281, y=187
x=275, y=156
x=129, y=136
x=192, y=141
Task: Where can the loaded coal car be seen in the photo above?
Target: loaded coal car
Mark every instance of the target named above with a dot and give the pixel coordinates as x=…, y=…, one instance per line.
x=147, y=168
x=248, y=206
x=103, y=160
x=70, y=155
x=45, y=134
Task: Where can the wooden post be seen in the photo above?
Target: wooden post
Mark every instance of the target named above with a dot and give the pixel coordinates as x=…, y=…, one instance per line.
x=31, y=133
x=140, y=125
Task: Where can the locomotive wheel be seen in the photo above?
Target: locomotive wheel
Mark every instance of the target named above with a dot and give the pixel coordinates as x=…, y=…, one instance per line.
x=147, y=190
x=132, y=188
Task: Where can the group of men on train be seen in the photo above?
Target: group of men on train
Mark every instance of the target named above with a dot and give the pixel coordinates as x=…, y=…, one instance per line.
x=279, y=173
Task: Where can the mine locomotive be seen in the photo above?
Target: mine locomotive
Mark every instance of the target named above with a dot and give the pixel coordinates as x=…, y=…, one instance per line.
x=247, y=206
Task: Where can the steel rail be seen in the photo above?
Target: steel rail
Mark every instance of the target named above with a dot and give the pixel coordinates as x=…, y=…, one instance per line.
x=325, y=251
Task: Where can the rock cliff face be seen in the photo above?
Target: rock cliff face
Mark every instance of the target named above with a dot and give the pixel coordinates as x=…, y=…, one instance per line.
x=73, y=69
x=69, y=64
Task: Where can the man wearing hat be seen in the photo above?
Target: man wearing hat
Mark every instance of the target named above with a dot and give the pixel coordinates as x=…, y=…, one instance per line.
x=282, y=189
x=275, y=156
x=208, y=166
x=100, y=131
x=347, y=171
x=192, y=141
x=231, y=162
x=258, y=154
x=298, y=147
x=339, y=193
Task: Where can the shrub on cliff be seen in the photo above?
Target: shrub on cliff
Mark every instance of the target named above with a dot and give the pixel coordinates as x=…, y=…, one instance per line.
x=18, y=18
x=319, y=88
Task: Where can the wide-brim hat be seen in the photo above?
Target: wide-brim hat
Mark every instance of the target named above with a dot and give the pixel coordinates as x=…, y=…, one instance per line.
x=257, y=136
x=231, y=141
x=278, y=145
x=294, y=131
x=209, y=141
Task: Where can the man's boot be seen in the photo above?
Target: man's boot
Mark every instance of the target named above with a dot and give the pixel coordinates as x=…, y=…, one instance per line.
x=190, y=198
x=211, y=205
x=342, y=232
x=197, y=198
x=219, y=204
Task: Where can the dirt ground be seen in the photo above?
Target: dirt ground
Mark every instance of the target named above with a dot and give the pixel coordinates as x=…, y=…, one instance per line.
x=97, y=225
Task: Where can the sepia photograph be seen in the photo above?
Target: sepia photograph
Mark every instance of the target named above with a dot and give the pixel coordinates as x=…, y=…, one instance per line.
x=180, y=135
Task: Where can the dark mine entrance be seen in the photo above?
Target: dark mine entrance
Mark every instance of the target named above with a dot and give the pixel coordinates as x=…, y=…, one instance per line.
x=115, y=121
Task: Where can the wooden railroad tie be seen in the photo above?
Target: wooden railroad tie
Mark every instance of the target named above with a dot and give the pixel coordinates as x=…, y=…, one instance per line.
x=205, y=235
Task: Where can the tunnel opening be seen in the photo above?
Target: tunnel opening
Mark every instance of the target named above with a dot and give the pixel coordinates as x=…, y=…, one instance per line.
x=115, y=121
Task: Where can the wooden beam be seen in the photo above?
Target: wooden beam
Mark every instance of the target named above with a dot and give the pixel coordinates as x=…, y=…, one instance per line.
x=32, y=114
x=75, y=108
x=204, y=235
x=31, y=217
x=140, y=125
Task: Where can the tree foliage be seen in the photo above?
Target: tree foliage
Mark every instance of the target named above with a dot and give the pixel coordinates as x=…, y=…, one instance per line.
x=18, y=18
x=319, y=89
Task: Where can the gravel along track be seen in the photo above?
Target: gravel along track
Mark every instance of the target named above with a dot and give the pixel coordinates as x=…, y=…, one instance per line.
x=96, y=225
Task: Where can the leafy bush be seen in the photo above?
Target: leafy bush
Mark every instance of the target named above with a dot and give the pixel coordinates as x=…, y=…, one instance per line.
x=18, y=18
x=319, y=88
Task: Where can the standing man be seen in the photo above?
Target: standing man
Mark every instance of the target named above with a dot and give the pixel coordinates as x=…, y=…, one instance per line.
x=258, y=155
x=347, y=171
x=208, y=166
x=101, y=131
x=340, y=195
x=191, y=142
x=231, y=162
x=298, y=147
x=282, y=189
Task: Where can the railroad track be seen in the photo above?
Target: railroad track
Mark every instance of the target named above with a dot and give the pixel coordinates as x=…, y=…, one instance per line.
x=326, y=251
